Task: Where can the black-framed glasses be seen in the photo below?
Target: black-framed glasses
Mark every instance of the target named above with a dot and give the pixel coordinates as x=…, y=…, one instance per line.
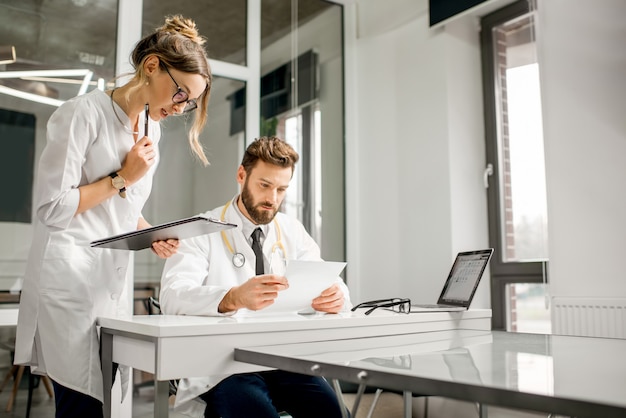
x=181, y=96
x=401, y=305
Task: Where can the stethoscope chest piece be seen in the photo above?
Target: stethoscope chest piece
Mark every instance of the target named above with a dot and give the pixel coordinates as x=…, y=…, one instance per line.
x=238, y=260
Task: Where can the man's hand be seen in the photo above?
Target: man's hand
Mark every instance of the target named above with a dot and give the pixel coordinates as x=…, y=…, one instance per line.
x=257, y=293
x=330, y=300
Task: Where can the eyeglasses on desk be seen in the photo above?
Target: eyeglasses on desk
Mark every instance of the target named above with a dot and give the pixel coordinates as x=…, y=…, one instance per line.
x=400, y=305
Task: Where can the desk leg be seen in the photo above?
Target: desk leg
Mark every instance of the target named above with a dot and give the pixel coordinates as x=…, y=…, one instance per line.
x=106, y=340
x=407, y=397
x=161, y=398
x=342, y=405
x=482, y=410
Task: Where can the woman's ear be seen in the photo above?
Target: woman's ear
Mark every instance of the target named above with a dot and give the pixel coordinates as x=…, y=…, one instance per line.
x=151, y=64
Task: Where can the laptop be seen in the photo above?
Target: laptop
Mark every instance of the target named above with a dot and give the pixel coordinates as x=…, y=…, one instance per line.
x=462, y=282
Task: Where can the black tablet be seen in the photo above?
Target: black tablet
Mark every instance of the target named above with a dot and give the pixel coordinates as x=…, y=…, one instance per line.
x=180, y=229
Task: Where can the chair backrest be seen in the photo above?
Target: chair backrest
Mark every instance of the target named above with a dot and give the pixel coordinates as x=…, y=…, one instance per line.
x=155, y=307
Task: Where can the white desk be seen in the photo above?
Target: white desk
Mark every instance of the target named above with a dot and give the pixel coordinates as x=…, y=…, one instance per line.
x=173, y=347
x=573, y=376
x=8, y=317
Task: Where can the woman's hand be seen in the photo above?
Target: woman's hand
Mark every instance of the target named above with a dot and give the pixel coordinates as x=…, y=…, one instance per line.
x=138, y=161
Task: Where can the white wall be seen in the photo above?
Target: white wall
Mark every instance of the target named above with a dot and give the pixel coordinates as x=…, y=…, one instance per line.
x=583, y=74
x=415, y=147
x=415, y=150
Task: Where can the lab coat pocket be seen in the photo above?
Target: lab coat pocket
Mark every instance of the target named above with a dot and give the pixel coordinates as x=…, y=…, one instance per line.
x=68, y=270
x=68, y=327
x=69, y=317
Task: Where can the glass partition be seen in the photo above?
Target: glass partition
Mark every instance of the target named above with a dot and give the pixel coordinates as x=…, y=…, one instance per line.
x=183, y=187
x=223, y=23
x=301, y=38
x=302, y=102
x=72, y=37
x=55, y=59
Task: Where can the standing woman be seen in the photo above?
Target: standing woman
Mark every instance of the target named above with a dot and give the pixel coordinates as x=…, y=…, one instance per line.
x=94, y=177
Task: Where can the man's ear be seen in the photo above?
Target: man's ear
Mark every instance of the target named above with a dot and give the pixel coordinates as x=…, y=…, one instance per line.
x=241, y=175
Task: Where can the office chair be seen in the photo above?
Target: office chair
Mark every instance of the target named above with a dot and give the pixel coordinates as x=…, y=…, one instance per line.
x=342, y=387
x=407, y=396
x=155, y=309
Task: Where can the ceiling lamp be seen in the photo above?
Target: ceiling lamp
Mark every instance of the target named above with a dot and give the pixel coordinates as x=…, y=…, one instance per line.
x=7, y=54
x=35, y=74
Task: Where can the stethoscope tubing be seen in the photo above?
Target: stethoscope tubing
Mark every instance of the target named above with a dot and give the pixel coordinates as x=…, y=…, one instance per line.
x=238, y=259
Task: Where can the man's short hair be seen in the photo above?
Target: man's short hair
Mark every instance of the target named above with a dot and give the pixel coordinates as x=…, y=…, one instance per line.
x=271, y=150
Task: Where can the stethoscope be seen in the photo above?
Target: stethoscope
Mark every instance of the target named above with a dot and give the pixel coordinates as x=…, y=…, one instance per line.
x=238, y=258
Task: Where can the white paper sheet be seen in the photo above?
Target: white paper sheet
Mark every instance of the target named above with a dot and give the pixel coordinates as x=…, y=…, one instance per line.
x=307, y=279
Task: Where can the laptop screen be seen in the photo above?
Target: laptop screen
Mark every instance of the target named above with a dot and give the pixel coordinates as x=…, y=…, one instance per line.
x=464, y=277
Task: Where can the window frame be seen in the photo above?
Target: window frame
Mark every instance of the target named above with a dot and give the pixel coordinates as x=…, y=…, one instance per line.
x=510, y=272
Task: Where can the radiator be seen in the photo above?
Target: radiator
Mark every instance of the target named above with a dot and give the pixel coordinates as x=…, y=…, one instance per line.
x=590, y=317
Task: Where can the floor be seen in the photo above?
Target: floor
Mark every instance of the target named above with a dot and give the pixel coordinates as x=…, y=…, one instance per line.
x=389, y=405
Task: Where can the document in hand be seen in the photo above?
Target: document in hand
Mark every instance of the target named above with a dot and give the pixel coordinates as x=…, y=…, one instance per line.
x=307, y=279
x=182, y=228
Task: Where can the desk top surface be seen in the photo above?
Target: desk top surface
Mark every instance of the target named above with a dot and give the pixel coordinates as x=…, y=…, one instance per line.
x=8, y=317
x=489, y=365
x=163, y=326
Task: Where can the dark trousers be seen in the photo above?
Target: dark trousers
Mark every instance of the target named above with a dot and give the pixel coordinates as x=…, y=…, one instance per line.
x=265, y=394
x=73, y=404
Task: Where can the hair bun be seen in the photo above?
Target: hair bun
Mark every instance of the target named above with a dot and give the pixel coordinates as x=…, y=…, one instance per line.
x=183, y=26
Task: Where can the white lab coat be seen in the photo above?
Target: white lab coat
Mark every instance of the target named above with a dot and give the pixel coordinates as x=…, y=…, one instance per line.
x=197, y=277
x=68, y=284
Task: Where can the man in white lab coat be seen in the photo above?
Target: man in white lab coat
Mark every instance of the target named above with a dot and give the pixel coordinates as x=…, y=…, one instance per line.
x=219, y=275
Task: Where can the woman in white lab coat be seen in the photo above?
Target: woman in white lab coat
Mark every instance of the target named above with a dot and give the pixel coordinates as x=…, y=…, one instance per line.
x=94, y=176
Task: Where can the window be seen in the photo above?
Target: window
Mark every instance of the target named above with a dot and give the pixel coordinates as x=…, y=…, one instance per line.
x=304, y=200
x=517, y=193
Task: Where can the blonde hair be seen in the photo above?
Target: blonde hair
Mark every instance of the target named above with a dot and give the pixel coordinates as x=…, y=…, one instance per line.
x=178, y=45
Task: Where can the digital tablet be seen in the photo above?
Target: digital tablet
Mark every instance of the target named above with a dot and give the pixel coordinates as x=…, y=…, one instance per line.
x=180, y=229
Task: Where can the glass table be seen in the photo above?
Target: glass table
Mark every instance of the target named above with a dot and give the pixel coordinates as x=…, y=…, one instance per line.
x=567, y=375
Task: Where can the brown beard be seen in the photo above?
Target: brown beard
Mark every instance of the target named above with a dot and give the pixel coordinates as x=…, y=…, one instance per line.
x=259, y=216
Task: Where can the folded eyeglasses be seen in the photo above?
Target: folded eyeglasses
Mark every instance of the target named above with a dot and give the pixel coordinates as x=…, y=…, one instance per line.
x=400, y=305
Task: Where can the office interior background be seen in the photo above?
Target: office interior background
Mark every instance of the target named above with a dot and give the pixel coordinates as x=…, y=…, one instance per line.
x=395, y=121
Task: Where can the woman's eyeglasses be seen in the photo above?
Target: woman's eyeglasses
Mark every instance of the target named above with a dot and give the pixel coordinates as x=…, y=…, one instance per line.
x=181, y=96
x=396, y=304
